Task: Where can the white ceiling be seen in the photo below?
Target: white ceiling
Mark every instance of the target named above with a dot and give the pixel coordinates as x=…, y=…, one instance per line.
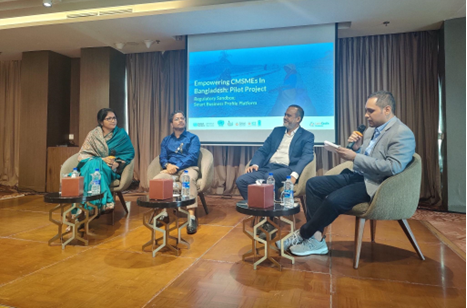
x=187, y=17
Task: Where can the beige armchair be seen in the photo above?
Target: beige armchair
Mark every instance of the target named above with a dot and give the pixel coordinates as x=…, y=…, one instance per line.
x=206, y=173
x=300, y=187
x=396, y=199
x=116, y=187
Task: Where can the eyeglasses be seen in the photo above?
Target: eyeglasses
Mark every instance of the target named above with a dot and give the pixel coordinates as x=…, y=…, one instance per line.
x=111, y=119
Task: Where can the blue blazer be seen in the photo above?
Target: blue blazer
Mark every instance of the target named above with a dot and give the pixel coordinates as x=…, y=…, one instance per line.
x=300, y=150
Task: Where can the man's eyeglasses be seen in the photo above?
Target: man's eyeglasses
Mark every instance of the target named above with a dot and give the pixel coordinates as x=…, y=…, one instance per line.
x=111, y=119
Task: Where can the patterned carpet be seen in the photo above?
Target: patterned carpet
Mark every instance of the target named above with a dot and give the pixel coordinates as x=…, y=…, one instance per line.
x=7, y=192
x=451, y=225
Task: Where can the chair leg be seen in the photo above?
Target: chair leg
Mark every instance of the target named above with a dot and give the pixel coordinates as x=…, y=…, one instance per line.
x=373, y=230
x=359, y=226
x=203, y=201
x=405, y=226
x=122, y=200
x=302, y=201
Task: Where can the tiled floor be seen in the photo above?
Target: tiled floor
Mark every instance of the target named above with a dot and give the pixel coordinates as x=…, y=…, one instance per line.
x=113, y=271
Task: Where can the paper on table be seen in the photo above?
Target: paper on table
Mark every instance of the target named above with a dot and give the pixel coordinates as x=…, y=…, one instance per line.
x=331, y=146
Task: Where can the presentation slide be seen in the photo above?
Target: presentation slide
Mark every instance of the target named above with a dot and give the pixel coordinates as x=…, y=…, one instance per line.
x=238, y=95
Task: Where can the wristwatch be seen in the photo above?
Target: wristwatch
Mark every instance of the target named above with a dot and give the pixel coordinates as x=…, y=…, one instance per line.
x=165, y=165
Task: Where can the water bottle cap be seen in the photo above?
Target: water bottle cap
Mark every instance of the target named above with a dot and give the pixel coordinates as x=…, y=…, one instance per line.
x=186, y=171
x=75, y=168
x=288, y=177
x=270, y=173
x=97, y=169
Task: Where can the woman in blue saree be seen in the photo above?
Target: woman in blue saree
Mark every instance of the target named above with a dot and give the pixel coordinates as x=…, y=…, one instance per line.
x=107, y=148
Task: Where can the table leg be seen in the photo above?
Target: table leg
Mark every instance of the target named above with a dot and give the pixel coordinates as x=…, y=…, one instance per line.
x=96, y=213
x=271, y=243
x=180, y=240
x=59, y=223
x=150, y=221
x=292, y=227
x=83, y=222
x=74, y=226
x=253, y=250
x=257, y=239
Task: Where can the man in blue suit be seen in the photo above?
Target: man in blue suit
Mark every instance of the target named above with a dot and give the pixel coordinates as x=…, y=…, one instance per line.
x=286, y=151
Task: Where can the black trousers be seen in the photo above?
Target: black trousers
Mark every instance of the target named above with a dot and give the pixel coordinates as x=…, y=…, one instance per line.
x=329, y=196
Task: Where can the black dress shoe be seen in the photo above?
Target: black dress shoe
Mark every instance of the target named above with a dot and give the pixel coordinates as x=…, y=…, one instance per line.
x=192, y=226
x=268, y=228
x=161, y=219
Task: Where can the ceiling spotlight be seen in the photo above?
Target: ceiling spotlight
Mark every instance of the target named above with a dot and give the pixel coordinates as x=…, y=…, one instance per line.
x=49, y=3
x=386, y=23
x=178, y=37
x=148, y=43
x=119, y=45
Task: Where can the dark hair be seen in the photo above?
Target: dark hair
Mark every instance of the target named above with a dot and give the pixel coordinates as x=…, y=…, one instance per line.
x=171, y=117
x=383, y=99
x=102, y=114
x=300, y=111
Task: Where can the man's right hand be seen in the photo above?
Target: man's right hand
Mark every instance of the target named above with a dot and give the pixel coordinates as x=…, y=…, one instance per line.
x=252, y=168
x=355, y=137
x=171, y=169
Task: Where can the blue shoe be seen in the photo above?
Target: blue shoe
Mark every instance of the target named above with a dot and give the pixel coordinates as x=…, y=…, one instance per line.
x=295, y=239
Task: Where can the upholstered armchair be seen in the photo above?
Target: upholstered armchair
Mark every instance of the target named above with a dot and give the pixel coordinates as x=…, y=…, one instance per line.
x=396, y=199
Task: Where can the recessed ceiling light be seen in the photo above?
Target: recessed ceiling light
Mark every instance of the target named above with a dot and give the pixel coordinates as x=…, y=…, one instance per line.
x=49, y=3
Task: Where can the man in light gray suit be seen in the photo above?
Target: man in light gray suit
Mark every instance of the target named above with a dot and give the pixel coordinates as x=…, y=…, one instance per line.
x=385, y=149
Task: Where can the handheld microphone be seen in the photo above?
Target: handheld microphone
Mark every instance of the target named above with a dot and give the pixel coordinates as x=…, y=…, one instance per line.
x=113, y=152
x=359, y=131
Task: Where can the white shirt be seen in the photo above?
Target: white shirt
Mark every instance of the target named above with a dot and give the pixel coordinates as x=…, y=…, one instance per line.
x=282, y=154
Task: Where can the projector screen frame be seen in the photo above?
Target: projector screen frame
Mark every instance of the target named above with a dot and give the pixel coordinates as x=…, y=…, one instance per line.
x=243, y=143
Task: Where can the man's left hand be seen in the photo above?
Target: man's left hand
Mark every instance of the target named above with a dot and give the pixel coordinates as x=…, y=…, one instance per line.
x=346, y=154
x=293, y=179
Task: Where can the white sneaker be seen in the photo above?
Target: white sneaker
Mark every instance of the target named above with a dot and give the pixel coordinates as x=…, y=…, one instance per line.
x=310, y=246
x=293, y=240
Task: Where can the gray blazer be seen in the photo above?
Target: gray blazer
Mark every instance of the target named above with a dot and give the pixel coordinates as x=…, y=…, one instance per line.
x=392, y=152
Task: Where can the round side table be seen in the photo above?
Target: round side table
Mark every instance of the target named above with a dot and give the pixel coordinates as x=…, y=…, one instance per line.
x=276, y=210
x=76, y=202
x=150, y=220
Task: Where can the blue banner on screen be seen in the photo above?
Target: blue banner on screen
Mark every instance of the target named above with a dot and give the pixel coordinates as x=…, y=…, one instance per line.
x=240, y=94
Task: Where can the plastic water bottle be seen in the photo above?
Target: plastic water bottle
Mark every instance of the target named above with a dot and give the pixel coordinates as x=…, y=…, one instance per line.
x=75, y=173
x=185, y=184
x=270, y=180
x=288, y=193
x=96, y=182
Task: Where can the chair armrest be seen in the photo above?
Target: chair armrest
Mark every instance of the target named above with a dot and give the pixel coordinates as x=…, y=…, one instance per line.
x=397, y=197
x=206, y=168
x=154, y=169
x=308, y=172
x=339, y=168
x=126, y=178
